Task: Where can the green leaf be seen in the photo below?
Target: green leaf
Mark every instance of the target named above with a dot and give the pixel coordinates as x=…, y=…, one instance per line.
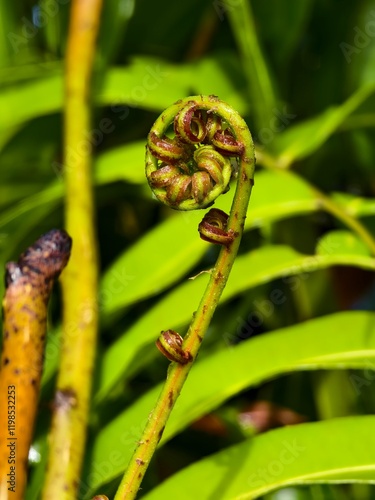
x=319, y=452
x=125, y=163
x=221, y=75
x=29, y=100
x=278, y=195
x=153, y=263
x=315, y=346
x=355, y=206
x=146, y=83
x=341, y=242
x=127, y=353
x=303, y=139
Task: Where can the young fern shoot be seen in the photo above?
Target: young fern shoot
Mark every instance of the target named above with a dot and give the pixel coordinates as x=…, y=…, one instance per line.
x=188, y=168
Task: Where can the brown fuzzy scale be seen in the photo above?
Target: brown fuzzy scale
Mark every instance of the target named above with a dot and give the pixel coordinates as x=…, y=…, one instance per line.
x=28, y=287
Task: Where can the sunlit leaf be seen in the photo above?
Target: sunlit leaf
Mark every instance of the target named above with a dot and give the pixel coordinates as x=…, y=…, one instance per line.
x=342, y=340
x=303, y=454
x=127, y=354
x=341, y=242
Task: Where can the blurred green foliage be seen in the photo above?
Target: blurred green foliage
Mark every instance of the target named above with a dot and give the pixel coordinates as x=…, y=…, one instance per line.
x=302, y=73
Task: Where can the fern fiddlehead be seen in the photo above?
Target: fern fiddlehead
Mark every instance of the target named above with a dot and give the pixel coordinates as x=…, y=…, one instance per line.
x=193, y=168
x=192, y=153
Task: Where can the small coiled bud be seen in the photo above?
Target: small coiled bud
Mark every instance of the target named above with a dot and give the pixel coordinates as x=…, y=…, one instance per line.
x=213, y=228
x=192, y=168
x=169, y=344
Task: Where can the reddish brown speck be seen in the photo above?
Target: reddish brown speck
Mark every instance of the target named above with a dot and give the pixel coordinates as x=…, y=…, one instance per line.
x=218, y=278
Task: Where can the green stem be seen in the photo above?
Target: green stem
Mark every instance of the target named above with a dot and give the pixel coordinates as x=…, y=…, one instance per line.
x=327, y=204
x=336, y=210
x=261, y=91
x=178, y=373
x=68, y=434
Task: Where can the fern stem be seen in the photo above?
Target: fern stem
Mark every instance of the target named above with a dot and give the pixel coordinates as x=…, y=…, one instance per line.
x=178, y=372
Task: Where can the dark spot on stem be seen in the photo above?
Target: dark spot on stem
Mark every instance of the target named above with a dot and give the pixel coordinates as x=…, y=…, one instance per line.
x=65, y=399
x=31, y=269
x=139, y=461
x=6, y=361
x=218, y=278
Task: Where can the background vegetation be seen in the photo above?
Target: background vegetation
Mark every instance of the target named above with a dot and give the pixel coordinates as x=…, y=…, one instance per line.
x=295, y=328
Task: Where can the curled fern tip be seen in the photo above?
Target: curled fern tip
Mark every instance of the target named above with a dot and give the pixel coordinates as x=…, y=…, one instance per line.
x=190, y=152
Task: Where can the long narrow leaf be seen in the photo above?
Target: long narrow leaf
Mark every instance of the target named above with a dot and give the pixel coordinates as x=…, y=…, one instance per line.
x=337, y=341
x=303, y=454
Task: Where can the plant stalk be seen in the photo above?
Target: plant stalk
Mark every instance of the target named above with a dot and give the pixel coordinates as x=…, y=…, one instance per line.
x=177, y=373
x=71, y=407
